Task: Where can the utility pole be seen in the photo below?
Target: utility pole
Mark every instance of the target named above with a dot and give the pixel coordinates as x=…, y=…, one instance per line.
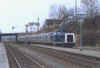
x=76, y=18
x=76, y=10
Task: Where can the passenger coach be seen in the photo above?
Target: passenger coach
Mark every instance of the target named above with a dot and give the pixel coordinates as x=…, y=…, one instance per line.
x=55, y=38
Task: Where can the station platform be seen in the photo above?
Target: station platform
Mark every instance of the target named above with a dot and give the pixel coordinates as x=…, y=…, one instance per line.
x=3, y=57
x=91, y=53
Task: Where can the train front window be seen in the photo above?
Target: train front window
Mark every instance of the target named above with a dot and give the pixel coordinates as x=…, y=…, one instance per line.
x=59, y=38
x=70, y=38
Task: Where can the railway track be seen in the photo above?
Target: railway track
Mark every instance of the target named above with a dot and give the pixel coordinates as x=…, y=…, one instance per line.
x=42, y=59
x=53, y=58
x=20, y=60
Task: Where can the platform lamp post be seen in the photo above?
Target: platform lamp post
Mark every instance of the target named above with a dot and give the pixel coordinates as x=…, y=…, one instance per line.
x=81, y=35
x=26, y=28
x=38, y=24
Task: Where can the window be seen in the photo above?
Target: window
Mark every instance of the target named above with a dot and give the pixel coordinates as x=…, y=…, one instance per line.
x=70, y=38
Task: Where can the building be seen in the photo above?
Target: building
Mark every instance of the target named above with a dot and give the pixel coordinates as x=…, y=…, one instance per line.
x=51, y=25
x=32, y=27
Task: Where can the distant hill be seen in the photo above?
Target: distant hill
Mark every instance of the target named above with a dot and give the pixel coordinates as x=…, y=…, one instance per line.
x=91, y=31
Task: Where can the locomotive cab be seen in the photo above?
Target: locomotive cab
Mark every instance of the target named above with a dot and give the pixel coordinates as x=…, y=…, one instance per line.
x=70, y=39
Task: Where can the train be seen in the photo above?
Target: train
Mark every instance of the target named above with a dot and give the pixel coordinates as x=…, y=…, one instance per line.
x=52, y=38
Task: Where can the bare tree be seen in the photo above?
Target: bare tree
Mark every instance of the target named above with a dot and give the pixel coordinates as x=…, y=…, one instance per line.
x=90, y=6
x=89, y=25
x=53, y=11
x=58, y=11
x=62, y=12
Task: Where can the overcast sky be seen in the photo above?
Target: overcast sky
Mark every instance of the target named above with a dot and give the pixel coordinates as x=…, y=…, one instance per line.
x=19, y=12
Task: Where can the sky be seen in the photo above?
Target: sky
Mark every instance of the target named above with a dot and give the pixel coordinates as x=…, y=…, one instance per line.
x=17, y=13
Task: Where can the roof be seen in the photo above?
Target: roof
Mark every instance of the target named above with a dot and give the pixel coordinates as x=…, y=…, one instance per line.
x=52, y=21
